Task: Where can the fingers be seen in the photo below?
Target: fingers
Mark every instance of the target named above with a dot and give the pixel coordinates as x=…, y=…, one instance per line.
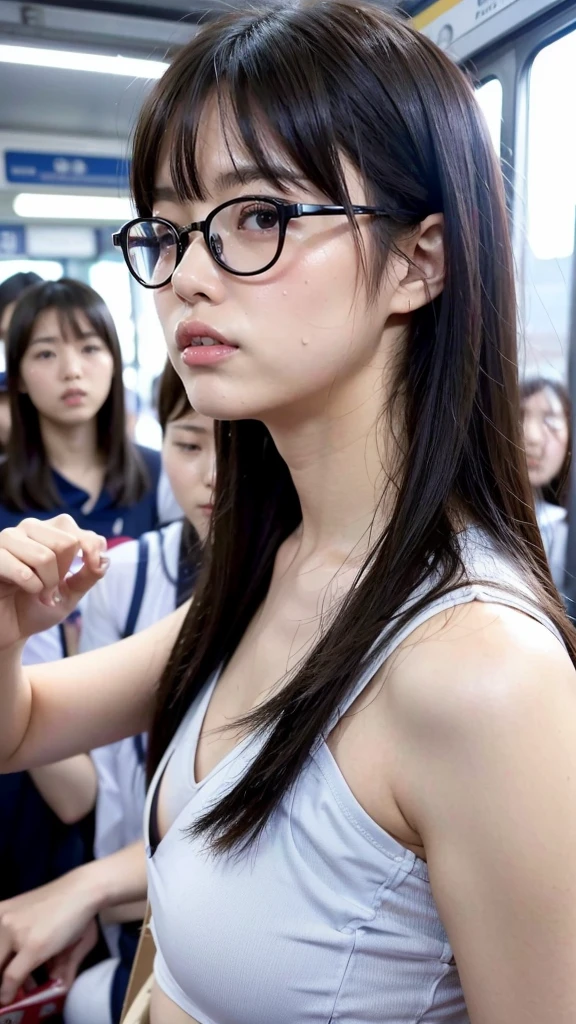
x=65, y=965
x=13, y=570
x=74, y=587
x=17, y=971
x=37, y=556
x=60, y=539
x=95, y=564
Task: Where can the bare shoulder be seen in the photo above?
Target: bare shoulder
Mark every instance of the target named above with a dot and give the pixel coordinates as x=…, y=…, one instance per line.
x=474, y=663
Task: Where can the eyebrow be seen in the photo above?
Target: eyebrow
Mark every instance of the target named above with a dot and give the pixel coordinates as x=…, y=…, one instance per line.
x=190, y=427
x=241, y=175
x=165, y=194
x=245, y=175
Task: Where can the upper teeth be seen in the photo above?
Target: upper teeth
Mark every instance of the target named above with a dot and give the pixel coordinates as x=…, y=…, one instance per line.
x=205, y=341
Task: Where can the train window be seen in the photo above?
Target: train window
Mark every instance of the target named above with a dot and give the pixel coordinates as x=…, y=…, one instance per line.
x=489, y=96
x=111, y=280
x=50, y=270
x=550, y=207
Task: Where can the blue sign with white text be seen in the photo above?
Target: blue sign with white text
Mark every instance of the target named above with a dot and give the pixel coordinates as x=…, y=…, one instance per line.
x=12, y=240
x=66, y=169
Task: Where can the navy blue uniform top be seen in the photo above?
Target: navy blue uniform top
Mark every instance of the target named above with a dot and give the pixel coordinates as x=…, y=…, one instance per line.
x=106, y=517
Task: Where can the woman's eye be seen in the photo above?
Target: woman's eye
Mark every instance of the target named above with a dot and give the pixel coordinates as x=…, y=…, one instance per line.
x=258, y=218
x=187, y=447
x=165, y=242
x=44, y=353
x=90, y=349
x=553, y=423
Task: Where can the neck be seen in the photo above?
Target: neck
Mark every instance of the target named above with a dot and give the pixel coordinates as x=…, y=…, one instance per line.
x=341, y=462
x=70, y=449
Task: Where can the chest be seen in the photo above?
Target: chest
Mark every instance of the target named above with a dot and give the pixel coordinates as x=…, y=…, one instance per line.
x=277, y=641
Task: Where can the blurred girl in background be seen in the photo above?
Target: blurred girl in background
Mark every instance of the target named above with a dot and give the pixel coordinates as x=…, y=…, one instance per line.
x=69, y=450
x=546, y=413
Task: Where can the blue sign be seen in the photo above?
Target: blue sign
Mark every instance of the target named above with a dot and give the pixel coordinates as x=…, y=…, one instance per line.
x=12, y=240
x=66, y=169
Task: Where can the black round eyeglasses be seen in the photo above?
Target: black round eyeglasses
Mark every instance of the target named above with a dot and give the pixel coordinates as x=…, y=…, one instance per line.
x=245, y=236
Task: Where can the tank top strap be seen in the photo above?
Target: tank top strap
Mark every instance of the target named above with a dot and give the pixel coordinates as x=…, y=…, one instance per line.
x=517, y=597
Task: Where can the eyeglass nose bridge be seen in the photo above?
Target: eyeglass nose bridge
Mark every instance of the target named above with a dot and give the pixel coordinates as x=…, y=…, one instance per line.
x=185, y=232
x=203, y=226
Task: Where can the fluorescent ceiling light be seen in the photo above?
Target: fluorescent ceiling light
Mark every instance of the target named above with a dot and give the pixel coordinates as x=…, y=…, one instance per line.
x=59, y=207
x=69, y=60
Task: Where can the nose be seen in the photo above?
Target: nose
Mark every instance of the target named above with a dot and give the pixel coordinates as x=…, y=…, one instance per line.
x=197, y=276
x=533, y=438
x=210, y=471
x=71, y=363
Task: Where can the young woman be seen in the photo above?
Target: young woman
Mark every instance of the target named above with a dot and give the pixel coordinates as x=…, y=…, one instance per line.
x=69, y=450
x=363, y=749
x=146, y=580
x=546, y=415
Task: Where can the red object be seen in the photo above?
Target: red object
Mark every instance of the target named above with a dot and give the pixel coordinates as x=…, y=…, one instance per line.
x=113, y=542
x=35, y=1007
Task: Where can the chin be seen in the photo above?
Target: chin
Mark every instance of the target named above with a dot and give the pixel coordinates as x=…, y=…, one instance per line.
x=75, y=417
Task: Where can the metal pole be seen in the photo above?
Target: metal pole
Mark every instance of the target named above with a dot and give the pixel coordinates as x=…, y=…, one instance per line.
x=570, y=571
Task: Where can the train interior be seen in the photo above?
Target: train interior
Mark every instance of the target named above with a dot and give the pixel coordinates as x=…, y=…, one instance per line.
x=73, y=76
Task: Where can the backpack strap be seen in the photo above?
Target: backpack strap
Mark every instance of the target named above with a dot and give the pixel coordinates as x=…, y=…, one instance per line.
x=139, y=585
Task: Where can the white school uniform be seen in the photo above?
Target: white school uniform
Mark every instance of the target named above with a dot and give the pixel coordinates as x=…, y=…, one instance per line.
x=120, y=766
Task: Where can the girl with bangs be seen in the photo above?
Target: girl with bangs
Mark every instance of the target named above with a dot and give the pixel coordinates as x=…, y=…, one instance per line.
x=69, y=447
x=363, y=747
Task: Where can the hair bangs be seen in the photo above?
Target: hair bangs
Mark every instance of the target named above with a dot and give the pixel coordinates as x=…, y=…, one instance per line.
x=261, y=104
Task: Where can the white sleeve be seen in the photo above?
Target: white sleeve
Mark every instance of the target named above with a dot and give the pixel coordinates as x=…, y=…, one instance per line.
x=100, y=617
x=168, y=508
x=109, y=833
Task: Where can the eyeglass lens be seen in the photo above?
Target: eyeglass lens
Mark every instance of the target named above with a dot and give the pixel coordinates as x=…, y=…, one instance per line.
x=244, y=236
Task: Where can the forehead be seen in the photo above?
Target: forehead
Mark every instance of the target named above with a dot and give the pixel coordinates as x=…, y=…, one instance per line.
x=546, y=401
x=56, y=322
x=220, y=153
x=191, y=418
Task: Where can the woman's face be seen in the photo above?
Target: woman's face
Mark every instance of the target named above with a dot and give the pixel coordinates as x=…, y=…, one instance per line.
x=300, y=331
x=189, y=458
x=545, y=436
x=66, y=376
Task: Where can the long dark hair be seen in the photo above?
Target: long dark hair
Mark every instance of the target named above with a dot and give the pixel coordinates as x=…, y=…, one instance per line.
x=12, y=288
x=172, y=403
x=334, y=80
x=556, y=491
x=25, y=476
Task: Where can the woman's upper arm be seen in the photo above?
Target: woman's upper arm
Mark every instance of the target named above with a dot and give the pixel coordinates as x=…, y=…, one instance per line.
x=95, y=698
x=487, y=728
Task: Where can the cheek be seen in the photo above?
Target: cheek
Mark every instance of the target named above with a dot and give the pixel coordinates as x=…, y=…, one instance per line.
x=556, y=453
x=39, y=380
x=102, y=369
x=183, y=475
x=317, y=312
x=166, y=304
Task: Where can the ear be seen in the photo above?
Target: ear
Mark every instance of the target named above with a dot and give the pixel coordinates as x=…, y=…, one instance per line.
x=421, y=273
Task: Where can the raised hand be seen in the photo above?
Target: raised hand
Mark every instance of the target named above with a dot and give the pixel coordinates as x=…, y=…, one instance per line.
x=37, y=589
x=51, y=925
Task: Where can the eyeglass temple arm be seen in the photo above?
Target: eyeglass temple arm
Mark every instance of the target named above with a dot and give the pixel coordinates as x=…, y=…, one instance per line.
x=308, y=210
